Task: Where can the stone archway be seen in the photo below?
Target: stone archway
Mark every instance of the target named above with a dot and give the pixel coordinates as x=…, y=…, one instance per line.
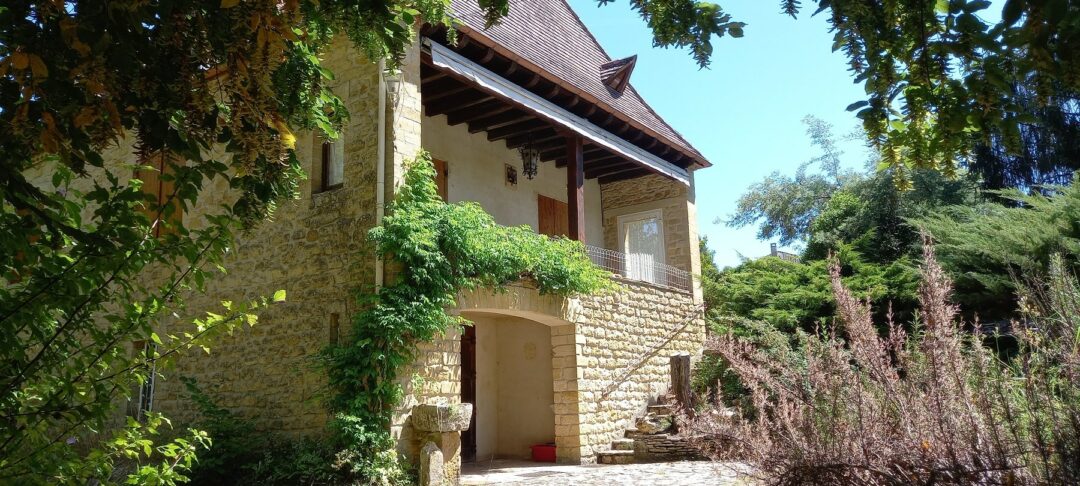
x=526, y=373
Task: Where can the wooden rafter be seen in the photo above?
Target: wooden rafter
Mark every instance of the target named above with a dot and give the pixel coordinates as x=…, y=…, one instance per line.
x=539, y=138
x=469, y=98
x=470, y=113
x=516, y=129
x=487, y=122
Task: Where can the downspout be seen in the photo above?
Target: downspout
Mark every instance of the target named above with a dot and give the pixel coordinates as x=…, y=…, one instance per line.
x=380, y=169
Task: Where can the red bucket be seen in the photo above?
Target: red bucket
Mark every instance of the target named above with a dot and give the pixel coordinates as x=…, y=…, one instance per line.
x=543, y=452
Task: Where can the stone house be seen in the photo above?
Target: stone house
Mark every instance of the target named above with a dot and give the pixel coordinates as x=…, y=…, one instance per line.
x=609, y=172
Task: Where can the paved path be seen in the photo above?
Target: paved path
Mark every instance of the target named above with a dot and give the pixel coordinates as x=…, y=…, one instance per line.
x=523, y=473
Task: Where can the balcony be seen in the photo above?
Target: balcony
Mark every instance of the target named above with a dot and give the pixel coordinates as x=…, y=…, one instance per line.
x=641, y=268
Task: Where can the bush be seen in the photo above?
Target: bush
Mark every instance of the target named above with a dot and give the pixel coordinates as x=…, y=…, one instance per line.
x=242, y=455
x=848, y=406
x=796, y=295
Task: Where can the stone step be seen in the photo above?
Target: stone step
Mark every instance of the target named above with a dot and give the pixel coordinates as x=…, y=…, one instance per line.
x=615, y=457
x=622, y=444
x=660, y=409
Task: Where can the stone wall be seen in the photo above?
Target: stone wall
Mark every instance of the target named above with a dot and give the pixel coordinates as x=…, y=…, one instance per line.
x=662, y=447
x=620, y=345
x=315, y=249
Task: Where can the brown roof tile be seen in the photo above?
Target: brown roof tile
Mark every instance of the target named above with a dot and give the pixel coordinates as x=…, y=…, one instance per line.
x=549, y=34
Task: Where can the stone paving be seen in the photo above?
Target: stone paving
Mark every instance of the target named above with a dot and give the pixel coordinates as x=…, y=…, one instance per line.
x=683, y=473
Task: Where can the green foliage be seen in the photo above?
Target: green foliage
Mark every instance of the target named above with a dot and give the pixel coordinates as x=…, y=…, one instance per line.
x=796, y=295
x=939, y=76
x=831, y=207
x=987, y=246
x=242, y=455
x=872, y=215
x=686, y=23
x=710, y=276
x=442, y=249
x=786, y=206
x=85, y=272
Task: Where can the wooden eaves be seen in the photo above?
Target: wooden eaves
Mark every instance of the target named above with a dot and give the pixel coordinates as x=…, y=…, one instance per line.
x=533, y=118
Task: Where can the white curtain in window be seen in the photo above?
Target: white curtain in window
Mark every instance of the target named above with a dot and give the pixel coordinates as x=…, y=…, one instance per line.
x=335, y=170
x=644, y=246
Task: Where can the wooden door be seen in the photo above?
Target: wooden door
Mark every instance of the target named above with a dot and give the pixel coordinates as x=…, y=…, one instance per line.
x=441, y=174
x=468, y=390
x=553, y=217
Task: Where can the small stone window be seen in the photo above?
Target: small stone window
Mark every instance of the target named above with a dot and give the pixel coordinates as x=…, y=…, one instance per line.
x=330, y=173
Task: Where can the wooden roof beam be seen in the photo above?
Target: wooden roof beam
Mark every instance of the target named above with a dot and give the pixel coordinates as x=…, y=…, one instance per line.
x=467, y=99
x=437, y=90
x=490, y=121
x=556, y=154
x=608, y=170
x=519, y=128
x=468, y=114
x=539, y=139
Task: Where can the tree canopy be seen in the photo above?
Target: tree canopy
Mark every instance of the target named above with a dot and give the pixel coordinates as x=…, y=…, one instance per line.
x=937, y=72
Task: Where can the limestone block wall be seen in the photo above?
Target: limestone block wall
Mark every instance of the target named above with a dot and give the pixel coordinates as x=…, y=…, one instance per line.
x=315, y=249
x=621, y=345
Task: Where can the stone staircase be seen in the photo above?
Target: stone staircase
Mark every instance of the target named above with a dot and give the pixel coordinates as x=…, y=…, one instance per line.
x=650, y=440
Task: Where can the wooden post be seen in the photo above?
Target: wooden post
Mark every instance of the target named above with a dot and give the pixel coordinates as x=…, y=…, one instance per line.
x=680, y=381
x=575, y=187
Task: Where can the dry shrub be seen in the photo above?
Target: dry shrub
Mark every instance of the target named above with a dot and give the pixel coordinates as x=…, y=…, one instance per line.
x=847, y=406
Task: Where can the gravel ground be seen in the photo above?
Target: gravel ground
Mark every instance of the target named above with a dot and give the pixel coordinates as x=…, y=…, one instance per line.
x=683, y=473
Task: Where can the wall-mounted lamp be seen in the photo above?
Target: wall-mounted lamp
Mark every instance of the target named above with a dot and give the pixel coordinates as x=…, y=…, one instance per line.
x=392, y=78
x=530, y=160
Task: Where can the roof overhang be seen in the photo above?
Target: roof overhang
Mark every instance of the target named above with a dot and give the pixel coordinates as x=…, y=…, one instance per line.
x=497, y=86
x=480, y=37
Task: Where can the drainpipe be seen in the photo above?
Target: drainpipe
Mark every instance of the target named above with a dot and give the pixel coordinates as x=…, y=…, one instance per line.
x=380, y=169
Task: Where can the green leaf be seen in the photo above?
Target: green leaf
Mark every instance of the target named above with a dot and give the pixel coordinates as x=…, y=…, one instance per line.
x=856, y=105
x=279, y=296
x=1012, y=11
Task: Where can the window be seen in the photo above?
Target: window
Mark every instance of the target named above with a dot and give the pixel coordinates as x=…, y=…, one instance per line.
x=641, y=236
x=142, y=401
x=331, y=172
x=159, y=182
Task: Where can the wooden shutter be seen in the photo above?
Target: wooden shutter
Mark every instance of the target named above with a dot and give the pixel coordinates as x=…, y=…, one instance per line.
x=160, y=189
x=553, y=216
x=441, y=174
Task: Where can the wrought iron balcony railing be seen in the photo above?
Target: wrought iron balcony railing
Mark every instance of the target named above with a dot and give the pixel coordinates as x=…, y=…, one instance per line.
x=642, y=268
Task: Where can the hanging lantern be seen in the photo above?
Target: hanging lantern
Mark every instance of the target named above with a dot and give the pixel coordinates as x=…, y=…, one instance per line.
x=530, y=160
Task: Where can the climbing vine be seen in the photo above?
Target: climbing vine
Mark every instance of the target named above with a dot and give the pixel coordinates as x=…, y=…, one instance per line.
x=439, y=250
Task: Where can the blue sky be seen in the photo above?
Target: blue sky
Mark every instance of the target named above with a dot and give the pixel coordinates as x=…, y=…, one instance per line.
x=744, y=114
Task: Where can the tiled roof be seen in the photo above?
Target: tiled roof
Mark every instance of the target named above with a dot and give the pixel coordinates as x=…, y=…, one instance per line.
x=549, y=34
